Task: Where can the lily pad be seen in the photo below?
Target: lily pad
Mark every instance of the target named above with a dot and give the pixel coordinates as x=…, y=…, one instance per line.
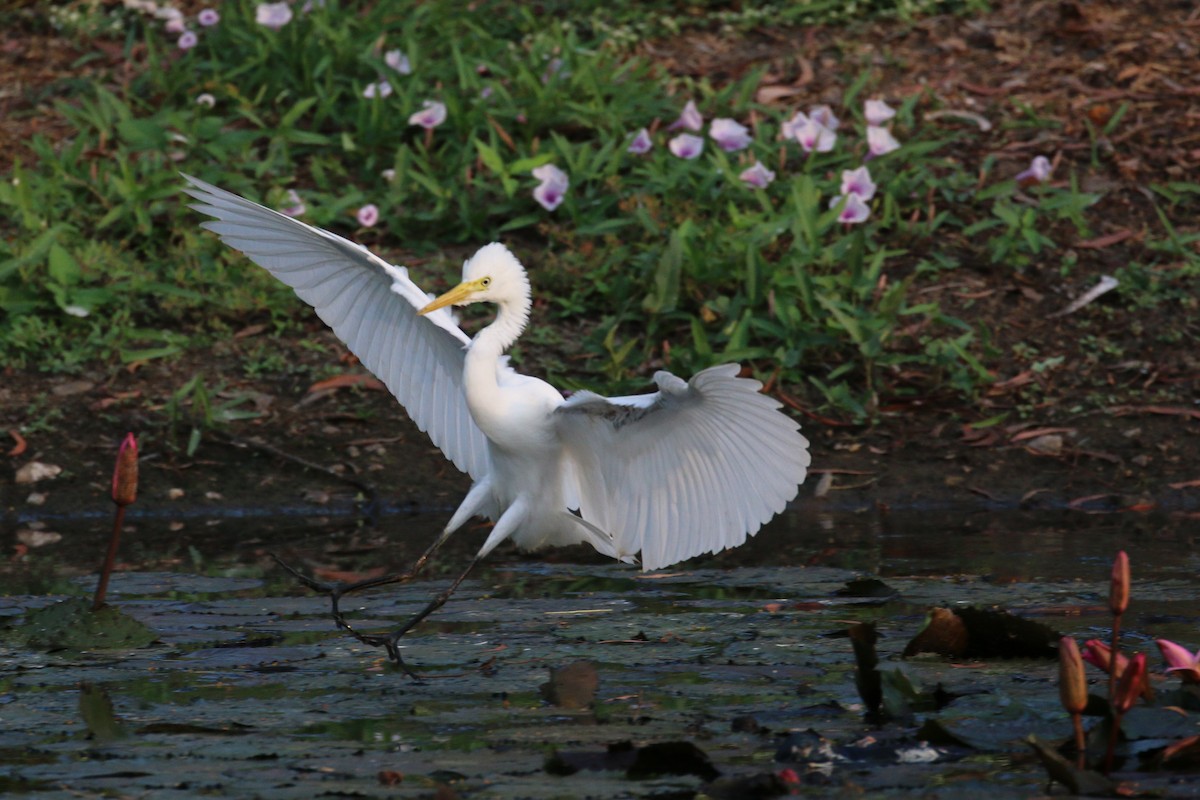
x=73, y=625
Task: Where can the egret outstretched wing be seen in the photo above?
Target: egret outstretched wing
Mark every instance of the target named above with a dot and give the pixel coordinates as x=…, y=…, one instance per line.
x=371, y=306
x=693, y=468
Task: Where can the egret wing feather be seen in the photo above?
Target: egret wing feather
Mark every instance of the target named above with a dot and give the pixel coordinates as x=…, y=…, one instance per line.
x=712, y=457
x=371, y=306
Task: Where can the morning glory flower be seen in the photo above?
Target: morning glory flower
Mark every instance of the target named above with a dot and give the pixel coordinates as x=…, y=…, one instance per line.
x=296, y=208
x=815, y=136
x=685, y=145
x=790, y=127
x=388, y=174
x=877, y=112
x=1038, y=172
x=854, y=211
x=729, y=134
x=273, y=15
x=398, y=61
x=208, y=17
x=641, y=143
x=368, y=215
x=880, y=140
x=858, y=182
x=553, y=187
x=757, y=176
x=175, y=25
x=824, y=115
x=187, y=41
x=380, y=89
x=690, y=118
x=430, y=116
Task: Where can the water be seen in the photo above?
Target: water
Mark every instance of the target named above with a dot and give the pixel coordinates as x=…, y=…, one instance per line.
x=249, y=691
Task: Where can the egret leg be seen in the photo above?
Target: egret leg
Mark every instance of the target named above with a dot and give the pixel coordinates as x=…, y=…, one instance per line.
x=509, y=521
x=473, y=503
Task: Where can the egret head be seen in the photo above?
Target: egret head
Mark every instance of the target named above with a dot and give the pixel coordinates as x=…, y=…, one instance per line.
x=492, y=275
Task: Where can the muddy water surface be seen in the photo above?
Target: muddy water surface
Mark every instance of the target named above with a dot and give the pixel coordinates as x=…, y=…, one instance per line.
x=249, y=691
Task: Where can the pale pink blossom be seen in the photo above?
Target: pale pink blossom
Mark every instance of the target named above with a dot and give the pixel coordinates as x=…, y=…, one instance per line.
x=685, y=145
x=430, y=116
x=690, y=118
x=791, y=127
x=208, y=17
x=368, y=215
x=388, y=174
x=880, y=141
x=730, y=135
x=641, y=143
x=757, y=176
x=273, y=15
x=381, y=89
x=877, y=112
x=553, y=187
x=296, y=206
x=398, y=61
x=1038, y=172
x=815, y=136
x=824, y=115
x=187, y=41
x=175, y=25
x=854, y=211
x=858, y=182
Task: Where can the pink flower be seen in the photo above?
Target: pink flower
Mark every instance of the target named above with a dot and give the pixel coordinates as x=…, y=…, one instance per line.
x=641, y=143
x=1180, y=659
x=1129, y=685
x=824, y=115
x=757, y=176
x=208, y=17
x=187, y=41
x=553, y=187
x=368, y=215
x=690, y=118
x=273, y=15
x=381, y=89
x=877, y=112
x=296, y=208
x=812, y=135
x=729, y=134
x=398, y=61
x=858, y=182
x=174, y=25
x=685, y=145
x=1038, y=172
x=854, y=211
x=880, y=141
x=791, y=127
x=1098, y=654
x=430, y=116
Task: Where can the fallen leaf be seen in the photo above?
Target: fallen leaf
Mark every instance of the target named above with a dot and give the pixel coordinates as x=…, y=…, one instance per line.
x=36, y=471
x=572, y=686
x=1101, y=242
x=346, y=576
x=1178, y=411
x=20, y=445
x=1186, y=484
x=359, y=379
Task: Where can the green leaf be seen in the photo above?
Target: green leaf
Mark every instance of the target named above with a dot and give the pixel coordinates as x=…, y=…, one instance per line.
x=64, y=269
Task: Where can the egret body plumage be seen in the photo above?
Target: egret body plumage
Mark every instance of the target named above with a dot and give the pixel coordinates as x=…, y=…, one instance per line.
x=693, y=468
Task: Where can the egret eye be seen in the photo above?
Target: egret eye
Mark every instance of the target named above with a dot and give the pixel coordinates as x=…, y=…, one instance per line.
x=486, y=282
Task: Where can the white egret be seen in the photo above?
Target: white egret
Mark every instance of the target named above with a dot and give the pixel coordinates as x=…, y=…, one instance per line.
x=695, y=467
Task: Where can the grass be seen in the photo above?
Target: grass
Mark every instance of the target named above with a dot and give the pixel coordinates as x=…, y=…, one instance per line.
x=669, y=260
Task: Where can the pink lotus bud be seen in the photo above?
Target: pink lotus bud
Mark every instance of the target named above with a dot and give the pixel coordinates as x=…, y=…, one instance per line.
x=125, y=475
